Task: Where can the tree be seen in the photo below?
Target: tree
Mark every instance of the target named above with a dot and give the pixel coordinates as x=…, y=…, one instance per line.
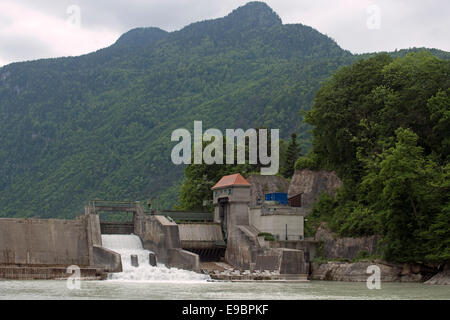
x=408, y=199
x=292, y=154
x=200, y=178
x=383, y=125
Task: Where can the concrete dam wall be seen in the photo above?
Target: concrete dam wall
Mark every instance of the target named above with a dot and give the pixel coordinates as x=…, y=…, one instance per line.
x=200, y=235
x=44, y=242
x=160, y=235
x=205, y=239
x=38, y=246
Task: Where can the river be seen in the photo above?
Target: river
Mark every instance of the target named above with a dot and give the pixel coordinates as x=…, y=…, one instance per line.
x=160, y=282
x=184, y=290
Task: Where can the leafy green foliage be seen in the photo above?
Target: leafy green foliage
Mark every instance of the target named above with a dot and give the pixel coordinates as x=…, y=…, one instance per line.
x=309, y=161
x=267, y=236
x=383, y=125
x=98, y=126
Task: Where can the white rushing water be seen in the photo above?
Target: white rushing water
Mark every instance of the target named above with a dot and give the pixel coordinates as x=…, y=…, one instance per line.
x=127, y=245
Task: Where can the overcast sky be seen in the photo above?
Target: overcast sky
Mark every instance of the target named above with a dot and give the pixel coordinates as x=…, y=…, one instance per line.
x=33, y=29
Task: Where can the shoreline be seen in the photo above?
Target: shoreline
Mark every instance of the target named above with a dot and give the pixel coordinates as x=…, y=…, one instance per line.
x=389, y=272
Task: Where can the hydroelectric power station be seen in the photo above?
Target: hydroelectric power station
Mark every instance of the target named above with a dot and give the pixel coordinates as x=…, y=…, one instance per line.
x=247, y=238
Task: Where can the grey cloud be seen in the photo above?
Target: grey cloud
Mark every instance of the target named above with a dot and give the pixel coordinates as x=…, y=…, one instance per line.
x=20, y=48
x=5, y=21
x=405, y=23
x=123, y=15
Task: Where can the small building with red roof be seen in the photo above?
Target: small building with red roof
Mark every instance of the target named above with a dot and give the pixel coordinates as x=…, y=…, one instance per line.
x=242, y=224
x=231, y=180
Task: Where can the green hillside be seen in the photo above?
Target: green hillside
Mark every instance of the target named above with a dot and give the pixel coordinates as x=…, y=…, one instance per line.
x=99, y=125
x=383, y=125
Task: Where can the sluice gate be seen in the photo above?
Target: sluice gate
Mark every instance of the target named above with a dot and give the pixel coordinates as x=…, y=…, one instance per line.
x=107, y=227
x=197, y=233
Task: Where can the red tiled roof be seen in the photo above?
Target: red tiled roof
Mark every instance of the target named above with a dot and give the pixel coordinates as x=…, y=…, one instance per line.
x=231, y=180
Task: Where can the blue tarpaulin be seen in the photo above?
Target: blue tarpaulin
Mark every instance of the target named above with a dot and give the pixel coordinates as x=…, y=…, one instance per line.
x=280, y=197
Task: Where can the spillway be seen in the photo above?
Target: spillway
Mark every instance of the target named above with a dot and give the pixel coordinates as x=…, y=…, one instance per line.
x=127, y=245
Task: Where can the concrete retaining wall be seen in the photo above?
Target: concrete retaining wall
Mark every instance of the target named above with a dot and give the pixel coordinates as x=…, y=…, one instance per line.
x=161, y=236
x=43, y=249
x=276, y=222
x=48, y=273
x=240, y=248
x=292, y=262
x=44, y=242
x=200, y=235
x=308, y=246
x=247, y=251
x=183, y=259
x=107, y=259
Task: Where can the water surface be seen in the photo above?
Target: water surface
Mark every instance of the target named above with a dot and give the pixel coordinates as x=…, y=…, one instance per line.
x=191, y=290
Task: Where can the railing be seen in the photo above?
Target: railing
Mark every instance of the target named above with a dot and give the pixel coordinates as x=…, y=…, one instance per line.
x=95, y=206
x=107, y=203
x=183, y=216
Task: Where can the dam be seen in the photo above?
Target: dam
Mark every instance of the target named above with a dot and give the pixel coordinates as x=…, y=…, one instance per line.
x=229, y=244
x=44, y=248
x=131, y=246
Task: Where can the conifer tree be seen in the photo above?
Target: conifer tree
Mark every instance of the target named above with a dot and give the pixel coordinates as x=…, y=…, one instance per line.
x=292, y=154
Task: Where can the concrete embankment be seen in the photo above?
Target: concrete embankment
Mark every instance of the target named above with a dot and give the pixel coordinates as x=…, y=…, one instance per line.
x=160, y=235
x=43, y=249
x=50, y=273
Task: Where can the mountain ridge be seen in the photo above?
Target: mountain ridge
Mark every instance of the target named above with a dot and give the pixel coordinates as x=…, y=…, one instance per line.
x=99, y=125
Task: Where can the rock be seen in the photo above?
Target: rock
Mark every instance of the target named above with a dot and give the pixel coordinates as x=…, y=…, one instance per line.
x=346, y=247
x=406, y=270
x=265, y=184
x=357, y=272
x=415, y=268
x=323, y=233
x=441, y=278
x=312, y=183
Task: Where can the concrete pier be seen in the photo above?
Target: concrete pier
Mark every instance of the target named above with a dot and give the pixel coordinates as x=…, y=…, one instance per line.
x=152, y=259
x=134, y=260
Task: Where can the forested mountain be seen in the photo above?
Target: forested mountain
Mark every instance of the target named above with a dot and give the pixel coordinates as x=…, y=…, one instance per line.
x=99, y=125
x=383, y=125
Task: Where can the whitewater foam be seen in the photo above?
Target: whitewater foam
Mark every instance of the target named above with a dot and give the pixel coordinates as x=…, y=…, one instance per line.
x=127, y=245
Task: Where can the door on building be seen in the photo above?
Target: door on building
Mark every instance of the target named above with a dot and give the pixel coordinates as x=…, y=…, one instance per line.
x=224, y=209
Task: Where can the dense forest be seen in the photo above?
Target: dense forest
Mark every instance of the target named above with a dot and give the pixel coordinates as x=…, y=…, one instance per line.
x=383, y=125
x=98, y=126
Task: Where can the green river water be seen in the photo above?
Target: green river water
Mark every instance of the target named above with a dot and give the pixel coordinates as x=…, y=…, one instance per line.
x=191, y=290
